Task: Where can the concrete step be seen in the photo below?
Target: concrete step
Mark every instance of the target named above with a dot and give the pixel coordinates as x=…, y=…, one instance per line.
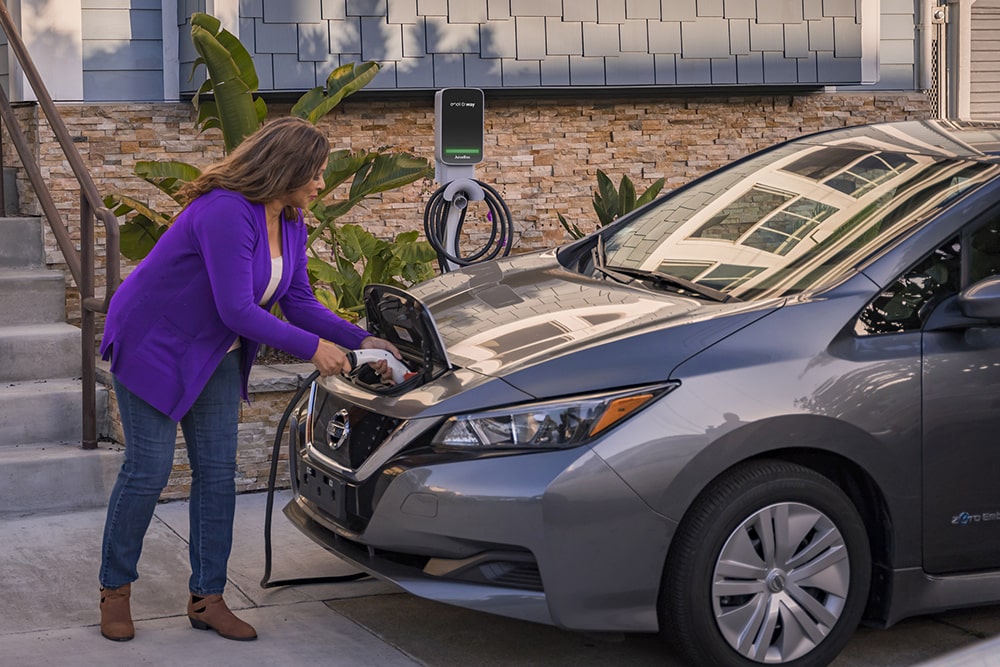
x=21, y=242
x=56, y=477
x=38, y=351
x=46, y=411
x=32, y=296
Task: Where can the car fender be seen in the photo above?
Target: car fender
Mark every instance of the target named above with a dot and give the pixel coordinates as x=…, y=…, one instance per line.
x=689, y=463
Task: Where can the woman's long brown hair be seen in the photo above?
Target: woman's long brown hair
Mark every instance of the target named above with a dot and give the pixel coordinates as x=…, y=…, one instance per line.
x=282, y=156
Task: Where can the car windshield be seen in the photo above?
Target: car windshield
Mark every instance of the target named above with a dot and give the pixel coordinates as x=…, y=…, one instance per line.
x=791, y=219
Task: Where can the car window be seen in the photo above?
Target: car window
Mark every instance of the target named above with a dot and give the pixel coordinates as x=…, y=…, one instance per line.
x=905, y=305
x=984, y=251
x=796, y=218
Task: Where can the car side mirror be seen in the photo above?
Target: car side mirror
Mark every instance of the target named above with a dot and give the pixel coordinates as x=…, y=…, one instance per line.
x=981, y=300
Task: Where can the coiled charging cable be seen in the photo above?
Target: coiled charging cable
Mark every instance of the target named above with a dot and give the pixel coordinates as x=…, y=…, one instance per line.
x=444, y=217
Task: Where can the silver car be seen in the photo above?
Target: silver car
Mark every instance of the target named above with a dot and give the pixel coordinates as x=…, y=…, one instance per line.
x=748, y=416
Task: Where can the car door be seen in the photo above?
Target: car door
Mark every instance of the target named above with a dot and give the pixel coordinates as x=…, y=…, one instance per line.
x=961, y=409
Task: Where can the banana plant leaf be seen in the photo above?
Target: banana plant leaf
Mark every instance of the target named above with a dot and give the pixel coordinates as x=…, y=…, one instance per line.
x=323, y=271
x=167, y=175
x=356, y=243
x=342, y=165
x=122, y=205
x=387, y=172
x=138, y=235
x=240, y=55
x=226, y=61
x=372, y=172
x=208, y=115
x=342, y=82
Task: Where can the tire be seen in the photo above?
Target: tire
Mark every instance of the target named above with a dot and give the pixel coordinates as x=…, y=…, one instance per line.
x=736, y=591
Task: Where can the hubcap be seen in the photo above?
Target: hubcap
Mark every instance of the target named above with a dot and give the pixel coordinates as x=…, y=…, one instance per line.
x=776, y=581
x=780, y=583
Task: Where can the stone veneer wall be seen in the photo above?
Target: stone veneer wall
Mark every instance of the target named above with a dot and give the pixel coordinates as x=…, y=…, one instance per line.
x=542, y=154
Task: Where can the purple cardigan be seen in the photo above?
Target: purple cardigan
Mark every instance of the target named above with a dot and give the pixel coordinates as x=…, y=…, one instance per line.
x=173, y=319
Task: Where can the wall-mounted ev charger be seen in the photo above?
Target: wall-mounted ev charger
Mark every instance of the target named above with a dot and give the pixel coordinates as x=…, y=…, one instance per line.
x=459, y=118
x=458, y=129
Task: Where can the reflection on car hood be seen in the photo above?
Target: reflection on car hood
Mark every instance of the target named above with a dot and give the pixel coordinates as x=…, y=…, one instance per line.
x=550, y=331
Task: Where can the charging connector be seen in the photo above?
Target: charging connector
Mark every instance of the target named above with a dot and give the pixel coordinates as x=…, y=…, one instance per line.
x=399, y=370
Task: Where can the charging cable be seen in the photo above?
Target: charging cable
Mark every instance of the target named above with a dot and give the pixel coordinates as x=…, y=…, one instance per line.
x=444, y=217
x=265, y=581
x=400, y=373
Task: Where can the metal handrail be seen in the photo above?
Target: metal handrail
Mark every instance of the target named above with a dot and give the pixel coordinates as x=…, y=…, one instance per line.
x=80, y=263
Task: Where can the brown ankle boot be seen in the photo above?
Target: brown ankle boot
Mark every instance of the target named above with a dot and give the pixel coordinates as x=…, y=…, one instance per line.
x=116, y=617
x=211, y=613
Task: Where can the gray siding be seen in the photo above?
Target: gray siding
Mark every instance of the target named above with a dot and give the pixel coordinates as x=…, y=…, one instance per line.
x=984, y=92
x=122, y=50
x=428, y=44
x=897, y=45
x=186, y=54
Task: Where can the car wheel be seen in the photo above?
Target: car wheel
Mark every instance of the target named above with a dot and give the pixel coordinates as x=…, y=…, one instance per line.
x=770, y=565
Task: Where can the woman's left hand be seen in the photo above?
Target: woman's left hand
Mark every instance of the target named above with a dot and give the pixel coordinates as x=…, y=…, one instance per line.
x=381, y=367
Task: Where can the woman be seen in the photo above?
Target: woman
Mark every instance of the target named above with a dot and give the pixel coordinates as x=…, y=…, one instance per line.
x=182, y=333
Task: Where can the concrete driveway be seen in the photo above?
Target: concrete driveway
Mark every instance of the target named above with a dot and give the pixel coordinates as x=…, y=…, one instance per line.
x=50, y=613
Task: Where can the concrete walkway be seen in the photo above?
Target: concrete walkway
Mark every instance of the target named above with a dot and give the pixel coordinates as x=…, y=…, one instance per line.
x=50, y=611
x=51, y=616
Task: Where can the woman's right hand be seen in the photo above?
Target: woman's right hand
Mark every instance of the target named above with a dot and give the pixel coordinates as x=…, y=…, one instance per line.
x=330, y=359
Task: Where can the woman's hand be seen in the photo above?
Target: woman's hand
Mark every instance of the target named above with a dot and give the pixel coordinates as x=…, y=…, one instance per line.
x=375, y=343
x=381, y=367
x=330, y=359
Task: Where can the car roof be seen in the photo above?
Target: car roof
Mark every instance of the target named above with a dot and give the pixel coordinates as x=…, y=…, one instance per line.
x=951, y=139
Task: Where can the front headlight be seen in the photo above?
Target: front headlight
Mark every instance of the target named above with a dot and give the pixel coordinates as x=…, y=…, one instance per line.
x=548, y=425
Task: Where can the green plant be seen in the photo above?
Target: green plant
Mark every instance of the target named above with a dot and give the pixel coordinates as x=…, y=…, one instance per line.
x=356, y=257
x=231, y=81
x=402, y=262
x=341, y=262
x=611, y=203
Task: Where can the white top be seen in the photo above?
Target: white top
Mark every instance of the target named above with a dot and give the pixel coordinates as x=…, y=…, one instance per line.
x=277, y=266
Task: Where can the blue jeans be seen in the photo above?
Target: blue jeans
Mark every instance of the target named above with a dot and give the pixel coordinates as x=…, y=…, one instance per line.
x=210, y=430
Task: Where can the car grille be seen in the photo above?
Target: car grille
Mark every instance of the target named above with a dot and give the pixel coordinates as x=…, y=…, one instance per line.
x=367, y=430
x=343, y=437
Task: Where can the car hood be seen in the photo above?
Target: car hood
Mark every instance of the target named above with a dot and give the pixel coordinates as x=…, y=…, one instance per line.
x=548, y=331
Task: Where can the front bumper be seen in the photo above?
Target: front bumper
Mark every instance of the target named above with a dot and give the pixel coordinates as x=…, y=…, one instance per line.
x=551, y=537
x=525, y=605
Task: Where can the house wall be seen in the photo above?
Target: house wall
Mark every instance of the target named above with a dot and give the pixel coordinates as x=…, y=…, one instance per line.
x=984, y=84
x=122, y=43
x=897, y=45
x=550, y=43
x=135, y=50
